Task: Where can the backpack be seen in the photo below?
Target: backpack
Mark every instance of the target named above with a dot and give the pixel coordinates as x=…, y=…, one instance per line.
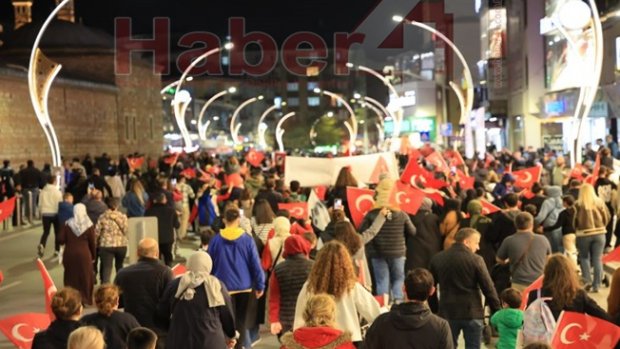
x=538, y=321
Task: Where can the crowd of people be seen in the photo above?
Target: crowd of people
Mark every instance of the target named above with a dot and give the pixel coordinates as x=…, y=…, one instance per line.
x=395, y=280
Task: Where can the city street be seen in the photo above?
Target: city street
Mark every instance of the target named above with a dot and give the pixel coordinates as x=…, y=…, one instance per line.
x=22, y=289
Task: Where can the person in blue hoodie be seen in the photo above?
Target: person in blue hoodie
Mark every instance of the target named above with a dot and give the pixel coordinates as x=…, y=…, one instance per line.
x=65, y=209
x=237, y=264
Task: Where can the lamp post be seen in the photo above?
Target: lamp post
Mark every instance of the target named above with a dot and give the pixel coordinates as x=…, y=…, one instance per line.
x=234, y=130
x=261, y=128
x=351, y=127
x=280, y=131
x=202, y=130
x=469, y=98
x=178, y=106
x=380, y=114
x=398, y=116
x=575, y=15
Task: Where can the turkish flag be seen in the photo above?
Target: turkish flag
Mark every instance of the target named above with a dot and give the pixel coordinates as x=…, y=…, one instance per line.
x=189, y=173
x=426, y=150
x=1, y=277
x=578, y=171
x=465, y=182
x=48, y=287
x=135, y=163
x=6, y=208
x=380, y=167
x=192, y=215
x=613, y=256
x=488, y=208
x=487, y=160
x=321, y=191
x=579, y=330
x=538, y=283
x=297, y=210
x=21, y=328
x=172, y=159
x=406, y=197
x=413, y=171
x=438, y=162
x=178, y=270
x=527, y=177
x=597, y=167
x=360, y=202
x=254, y=158
x=454, y=157
x=204, y=176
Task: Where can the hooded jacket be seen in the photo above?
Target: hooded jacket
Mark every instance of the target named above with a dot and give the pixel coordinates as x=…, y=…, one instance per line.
x=236, y=262
x=508, y=322
x=409, y=325
x=317, y=338
x=551, y=207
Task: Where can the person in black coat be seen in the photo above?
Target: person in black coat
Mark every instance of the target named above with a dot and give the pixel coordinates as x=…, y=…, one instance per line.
x=66, y=305
x=411, y=324
x=167, y=221
x=142, y=285
x=199, y=308
x=427, y=241
x=461, y=275
x=503, y=222
x=268, y=193
x=115, y=325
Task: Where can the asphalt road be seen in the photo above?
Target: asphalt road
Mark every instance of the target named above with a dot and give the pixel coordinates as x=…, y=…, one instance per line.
x=22, y=289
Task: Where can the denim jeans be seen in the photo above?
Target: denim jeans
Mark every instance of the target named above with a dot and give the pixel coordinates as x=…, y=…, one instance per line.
x=555, y=240
x=472, y=332
x=591, y=251
x=389, y=275
x=109, y=255
x=49, y=222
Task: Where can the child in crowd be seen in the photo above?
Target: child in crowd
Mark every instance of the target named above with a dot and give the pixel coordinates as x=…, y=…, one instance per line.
x=65, y=209
x=205, y=238
x=509, y=320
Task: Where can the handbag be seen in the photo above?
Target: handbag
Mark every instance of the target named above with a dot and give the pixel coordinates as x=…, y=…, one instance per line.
x=500, y=273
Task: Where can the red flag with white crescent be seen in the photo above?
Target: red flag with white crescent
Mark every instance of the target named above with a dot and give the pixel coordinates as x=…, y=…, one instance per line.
x=578, y=330
x=360, y=202
x=321, y=191
x=438, y=162
x=48, y=287
x=254, y=158
x=488, y=208
x=465, y=182
x=414, y=172
x=21, y=328
x=172, y=159
x=6, y=208
x=454, y=157
x=380, y=167
x=178, y=270
x=538, y=283
x=297, y=210
x=578, y=171
x=204, y=176
x=135, y=163
x=189, y=173
x=526, y=178
x=597, y=167
x=406, y=197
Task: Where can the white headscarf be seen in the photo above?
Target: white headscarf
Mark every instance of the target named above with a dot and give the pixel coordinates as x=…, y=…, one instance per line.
x=80, y=221
x=199, y=267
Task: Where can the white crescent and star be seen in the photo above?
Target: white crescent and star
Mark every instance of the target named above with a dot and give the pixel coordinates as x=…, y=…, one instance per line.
x=297, y=211
x=398, y=199
x=565, y=330
x=527, y=179
x=423, y=180
x=363, y=197
x=17, y=335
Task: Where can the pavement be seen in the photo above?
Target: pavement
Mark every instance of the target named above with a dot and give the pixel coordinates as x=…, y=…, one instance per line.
x=22, y=289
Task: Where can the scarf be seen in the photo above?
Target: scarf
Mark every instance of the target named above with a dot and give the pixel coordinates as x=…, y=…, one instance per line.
x=198, y=273
x=80, y=221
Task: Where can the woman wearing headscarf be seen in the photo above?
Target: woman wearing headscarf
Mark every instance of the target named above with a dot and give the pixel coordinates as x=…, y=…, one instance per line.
x=78, y=236
x=482, y=224
x=199, y=308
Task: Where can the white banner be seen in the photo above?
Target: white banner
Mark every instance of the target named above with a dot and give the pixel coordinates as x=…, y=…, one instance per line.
x=311, y=172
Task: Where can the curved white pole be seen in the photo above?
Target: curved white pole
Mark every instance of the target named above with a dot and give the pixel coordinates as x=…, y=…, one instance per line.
x=352, y=127
x=261, y=132
x=377, y=104
x=234, y=131
x=40, y=98
x=179, y=113
x=280, y=131
x=379, y=123
x=202, y=130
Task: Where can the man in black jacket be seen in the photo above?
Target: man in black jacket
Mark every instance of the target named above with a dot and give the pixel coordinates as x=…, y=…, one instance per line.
x=503, y=222
x=142, y=285
x=167, y=221
x=411, y=324
x=461, y=274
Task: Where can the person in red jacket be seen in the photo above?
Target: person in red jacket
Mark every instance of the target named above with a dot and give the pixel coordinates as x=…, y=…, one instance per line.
x=319, y=331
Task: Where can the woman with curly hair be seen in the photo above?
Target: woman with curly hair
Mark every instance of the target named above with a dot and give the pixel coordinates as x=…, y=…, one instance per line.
x=319, y=330
x=561, y=283
x=333, y=273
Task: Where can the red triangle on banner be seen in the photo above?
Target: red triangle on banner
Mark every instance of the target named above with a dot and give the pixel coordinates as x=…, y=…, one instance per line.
x=380, y=168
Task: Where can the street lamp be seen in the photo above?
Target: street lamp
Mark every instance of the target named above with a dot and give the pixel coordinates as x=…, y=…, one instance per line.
x=352, y=128
x=261, y=128
x=202, y=129
x=179, y=109
x=379, y=113
x=280, y=131
x=469, y=100
x=576, y=15
x=234, y=130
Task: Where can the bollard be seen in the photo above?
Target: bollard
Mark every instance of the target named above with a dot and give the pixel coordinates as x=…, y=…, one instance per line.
x=30, y=213
x=142, y=231
x=18, y=209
